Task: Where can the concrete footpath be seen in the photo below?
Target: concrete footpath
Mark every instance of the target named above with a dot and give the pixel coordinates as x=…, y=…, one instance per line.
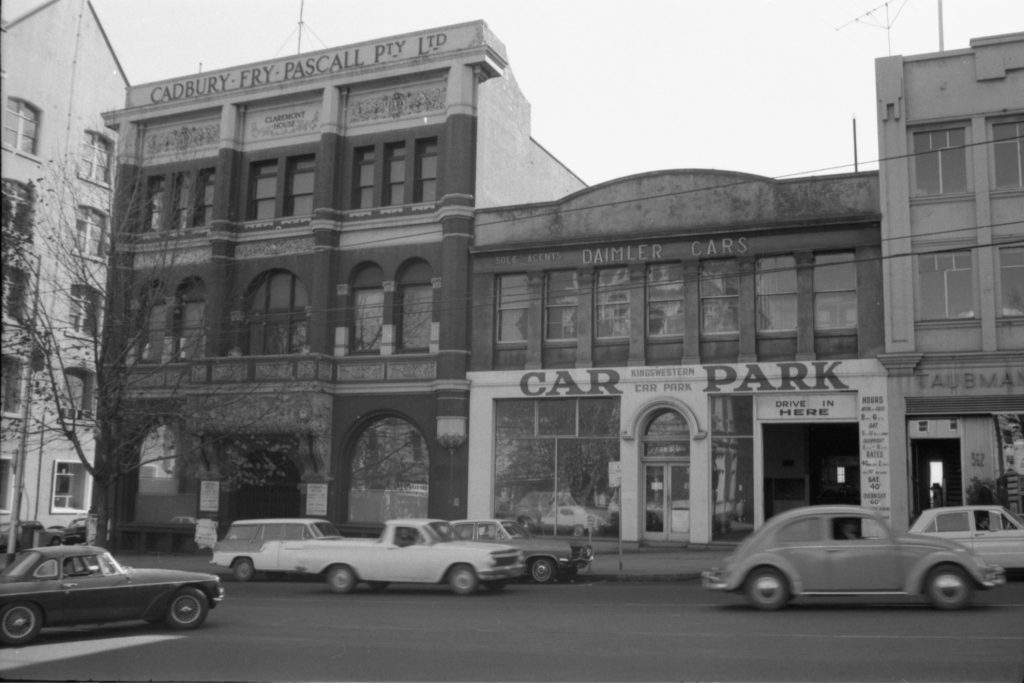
x=634, y=563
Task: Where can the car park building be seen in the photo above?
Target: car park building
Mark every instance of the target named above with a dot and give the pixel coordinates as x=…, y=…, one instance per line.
x=679, y=355
x=951, y=140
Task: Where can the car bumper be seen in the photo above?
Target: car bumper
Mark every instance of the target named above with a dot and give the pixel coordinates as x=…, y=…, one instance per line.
x=512, y=571
x=993, y=576
x=714, y=580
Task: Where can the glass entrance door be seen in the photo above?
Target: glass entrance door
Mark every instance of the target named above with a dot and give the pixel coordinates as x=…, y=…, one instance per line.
x=666, y=501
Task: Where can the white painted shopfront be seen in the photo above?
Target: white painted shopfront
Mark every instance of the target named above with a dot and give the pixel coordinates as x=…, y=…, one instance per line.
x=701, y=453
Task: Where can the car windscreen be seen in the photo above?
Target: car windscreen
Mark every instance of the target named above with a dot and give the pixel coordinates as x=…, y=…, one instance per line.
x=242, y=532
x=515, y=530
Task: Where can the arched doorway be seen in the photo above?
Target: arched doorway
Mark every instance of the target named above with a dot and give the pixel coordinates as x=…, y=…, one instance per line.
x=390, y=472
x=268, y=486
x=665, y=477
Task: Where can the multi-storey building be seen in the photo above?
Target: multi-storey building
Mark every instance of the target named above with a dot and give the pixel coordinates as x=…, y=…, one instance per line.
x=676, y=356
x=59, y=75
x=301, y=255
x=951, y=140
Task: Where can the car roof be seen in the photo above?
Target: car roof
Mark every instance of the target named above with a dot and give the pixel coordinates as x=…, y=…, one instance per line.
x=280, y=520
x=961, y=508
x=60, y=551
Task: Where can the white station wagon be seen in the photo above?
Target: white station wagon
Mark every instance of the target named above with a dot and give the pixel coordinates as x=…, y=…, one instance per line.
x=991, y=531
x=252, y=545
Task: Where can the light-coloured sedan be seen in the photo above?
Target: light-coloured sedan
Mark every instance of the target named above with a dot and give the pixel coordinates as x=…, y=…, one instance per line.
x=846, y=550
x=991, y=531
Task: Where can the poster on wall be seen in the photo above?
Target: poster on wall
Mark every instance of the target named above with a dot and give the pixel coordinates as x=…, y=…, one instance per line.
x=316, y=500
x=874, y=454
x=209, y=496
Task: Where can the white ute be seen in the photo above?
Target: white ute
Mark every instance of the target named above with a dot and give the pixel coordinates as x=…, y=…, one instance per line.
x=409, y=551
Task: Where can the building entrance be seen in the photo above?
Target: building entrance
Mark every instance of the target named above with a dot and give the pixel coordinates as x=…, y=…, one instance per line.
x=810, y=464
x=666, y=501
x=268, y=487
x=936, y=473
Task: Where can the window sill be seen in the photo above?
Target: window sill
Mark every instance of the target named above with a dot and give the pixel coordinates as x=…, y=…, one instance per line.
x=965, y=196
x=28, y=156
x=948, y=322
x=102, y=184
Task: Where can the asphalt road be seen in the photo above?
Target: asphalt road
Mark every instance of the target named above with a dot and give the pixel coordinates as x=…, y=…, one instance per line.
x=296, y=630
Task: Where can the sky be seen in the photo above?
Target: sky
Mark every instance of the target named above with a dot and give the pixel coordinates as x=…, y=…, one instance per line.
x=616, y=87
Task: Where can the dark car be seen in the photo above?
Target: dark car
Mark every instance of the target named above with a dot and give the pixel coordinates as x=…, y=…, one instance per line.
x=546, y=558
x=82, y=584
x=30, y=534
x=75, y=531
x=847, y=550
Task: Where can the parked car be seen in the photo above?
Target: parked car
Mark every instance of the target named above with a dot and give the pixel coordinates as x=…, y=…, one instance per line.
x=538, y=510
x=75, y=531
x=31, y=534
x=848, y=550
x=82, y=584
x=252, y=545
x=547, y=559
x=991, y=531
x=409, y=551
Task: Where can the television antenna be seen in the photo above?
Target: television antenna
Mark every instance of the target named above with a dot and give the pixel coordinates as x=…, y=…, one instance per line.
x=872, y=18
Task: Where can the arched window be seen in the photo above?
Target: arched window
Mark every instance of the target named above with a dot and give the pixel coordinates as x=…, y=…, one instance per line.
x=390, y=467
x=416, y=303
x=667, y=435
x=189, y=319
x=368, y=309
x=279, y=300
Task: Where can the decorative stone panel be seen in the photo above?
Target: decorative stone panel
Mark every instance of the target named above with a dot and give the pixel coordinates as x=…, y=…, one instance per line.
x=301, y=245
x=274, y=370
x=361, y=372
x=397, y=105
x=417, y=370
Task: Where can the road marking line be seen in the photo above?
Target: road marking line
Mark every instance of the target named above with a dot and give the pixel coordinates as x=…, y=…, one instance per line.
x=55, y=651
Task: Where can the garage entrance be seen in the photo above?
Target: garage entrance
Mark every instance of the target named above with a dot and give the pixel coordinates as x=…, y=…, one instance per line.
x=936, y=473
x=810, y=464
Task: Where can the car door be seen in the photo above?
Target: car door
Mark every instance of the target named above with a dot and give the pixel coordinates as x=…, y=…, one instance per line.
x=97, y=591
x=267, y=559
x=954, y=525
x=862, y=555
x=46, y=590
x=997, y=537
x=801, y=543
x=421, y=560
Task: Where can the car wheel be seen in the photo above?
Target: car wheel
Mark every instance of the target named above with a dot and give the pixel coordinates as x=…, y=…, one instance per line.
x=377, y=586
x=243, y=569
x=341, y=579
x=948, y=587
x=542, y=570
x=20, y=623
x=188, y=609
x=766, y=589
x=579, y=530
x=462, y=580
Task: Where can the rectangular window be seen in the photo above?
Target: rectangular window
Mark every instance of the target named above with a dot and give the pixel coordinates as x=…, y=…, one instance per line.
x=611, y=305
x=181, y=200
x=301, y=179
x=156, y=202
x=719, y=296
x=551, y=464
x=1008, y=150
x=21, y=126
x=1011, y=280
x=946, y=285
x=78, y=384
x=394, y=174
x=96, y=158
x=561, y=299
x=205, y=182
x=513, y=303
x=92, y=228
x=5, y=483
x=369, y=320
x=776, y=293
x=17, y=285
x=417, y=302
x=69, y=486
x=83, y=310
x=426, y=170
x=835, y=291
x=11, y=384
x=940, y=161
x=366, y=160
x=665, y=300
x=263, y=191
